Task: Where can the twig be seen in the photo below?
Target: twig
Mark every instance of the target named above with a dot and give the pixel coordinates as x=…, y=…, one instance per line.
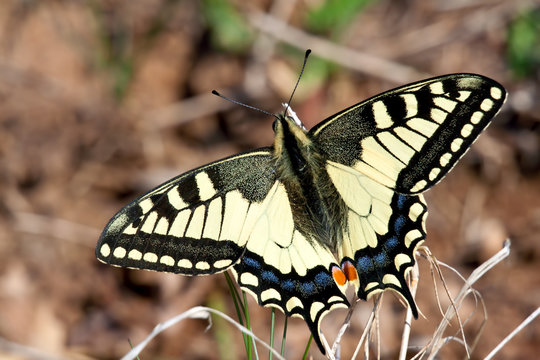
x=208, y=104
x=447, y=29
x=359, y=61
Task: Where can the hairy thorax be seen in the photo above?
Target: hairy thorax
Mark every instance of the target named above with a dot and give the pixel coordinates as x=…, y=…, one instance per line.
x=319, y=212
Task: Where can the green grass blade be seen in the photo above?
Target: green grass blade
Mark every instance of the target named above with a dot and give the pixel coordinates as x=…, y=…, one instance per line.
x=307, y=348
x=272, y=327
x=239, y=309
x=236, y=298
x=131, y=346
x=284, y=336
x=252, y=348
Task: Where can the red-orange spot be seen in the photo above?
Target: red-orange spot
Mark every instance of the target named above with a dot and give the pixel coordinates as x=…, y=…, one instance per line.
x=338, y=275
x=349, y=270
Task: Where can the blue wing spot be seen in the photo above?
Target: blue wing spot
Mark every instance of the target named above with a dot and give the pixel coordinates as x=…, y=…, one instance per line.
x=308, y=288
x=251, y=262
x=323, y=279
x=401, y=201
x=398, y=225
x=391, y=243
x=269, y=276
x=381, y=259
x=287, y=285
x=364, y=264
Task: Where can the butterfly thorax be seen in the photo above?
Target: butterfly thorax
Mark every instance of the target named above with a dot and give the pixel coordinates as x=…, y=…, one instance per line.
x=319, y=213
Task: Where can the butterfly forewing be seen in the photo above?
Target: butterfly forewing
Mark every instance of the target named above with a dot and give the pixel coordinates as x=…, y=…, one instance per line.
x=410, y=137
x=197, y=223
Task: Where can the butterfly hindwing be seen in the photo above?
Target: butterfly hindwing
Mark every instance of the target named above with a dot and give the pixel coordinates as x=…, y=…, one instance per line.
x=283, y=269
x=410, y=137
x=310, y=295
x=384, y=228
x=196, y=223
x=386, y=266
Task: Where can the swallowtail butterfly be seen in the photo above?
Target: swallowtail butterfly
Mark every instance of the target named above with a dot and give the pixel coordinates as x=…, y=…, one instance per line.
x=298, y=221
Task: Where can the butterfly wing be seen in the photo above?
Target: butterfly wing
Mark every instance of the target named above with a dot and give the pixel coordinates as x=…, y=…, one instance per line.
x=283, y=269
x=409, y=138
x=233, y=211
x=383, y=152
x=384, y=228
x=197, y=223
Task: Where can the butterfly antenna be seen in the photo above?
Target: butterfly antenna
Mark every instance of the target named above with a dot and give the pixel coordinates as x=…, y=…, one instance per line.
x=306, y=55
x=241, y=103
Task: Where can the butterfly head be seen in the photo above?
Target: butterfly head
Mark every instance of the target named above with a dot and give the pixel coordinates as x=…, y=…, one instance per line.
x=287, y=129
x=288, y=122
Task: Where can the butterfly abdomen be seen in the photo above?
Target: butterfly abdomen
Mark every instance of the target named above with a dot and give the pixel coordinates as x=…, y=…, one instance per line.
x=318, y=210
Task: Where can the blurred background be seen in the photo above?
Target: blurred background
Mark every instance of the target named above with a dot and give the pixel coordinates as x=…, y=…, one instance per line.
x=102, y=100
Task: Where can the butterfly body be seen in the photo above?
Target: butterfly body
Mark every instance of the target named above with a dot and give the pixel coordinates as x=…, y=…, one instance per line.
x=318, y=210
x=299, y=221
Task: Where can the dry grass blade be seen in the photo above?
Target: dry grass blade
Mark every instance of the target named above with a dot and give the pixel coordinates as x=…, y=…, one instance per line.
x=521, y=326
x=345, y=326
x=365, y=335
x=373, y=323
x=438, y=340
x=436, y=265
x=330, y=355
x=198, y=312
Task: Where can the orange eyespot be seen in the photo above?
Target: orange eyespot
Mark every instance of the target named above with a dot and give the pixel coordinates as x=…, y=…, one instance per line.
x=339, y=277
x=350, y=271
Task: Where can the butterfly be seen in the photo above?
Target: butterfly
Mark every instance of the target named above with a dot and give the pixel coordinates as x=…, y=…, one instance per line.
x=298, y=221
